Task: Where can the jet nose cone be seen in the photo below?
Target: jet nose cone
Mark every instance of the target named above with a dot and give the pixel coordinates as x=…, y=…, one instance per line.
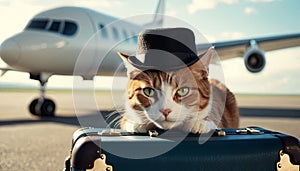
x=10, y=51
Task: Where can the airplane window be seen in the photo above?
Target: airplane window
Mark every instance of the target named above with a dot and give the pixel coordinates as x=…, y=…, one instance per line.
x=125, y=35
x=103, y=31
x=101, y=26
x=55, y=26
x=134, y=38
x=37, y=24
x=115, y=33
x=70, y=28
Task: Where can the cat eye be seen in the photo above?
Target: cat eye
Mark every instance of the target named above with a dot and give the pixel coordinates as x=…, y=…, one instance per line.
x=150, y=92
x=183, y=91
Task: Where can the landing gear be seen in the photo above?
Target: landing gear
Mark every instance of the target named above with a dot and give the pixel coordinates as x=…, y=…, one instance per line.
x=42, y=106
x=45, y=108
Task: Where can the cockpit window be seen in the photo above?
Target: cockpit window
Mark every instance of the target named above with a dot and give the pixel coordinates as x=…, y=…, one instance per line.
x=65, y=27
x=70, y=28
x=38, y=24
x=55, y=26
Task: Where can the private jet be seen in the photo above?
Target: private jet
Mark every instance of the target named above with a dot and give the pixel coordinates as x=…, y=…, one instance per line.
x=52, y=43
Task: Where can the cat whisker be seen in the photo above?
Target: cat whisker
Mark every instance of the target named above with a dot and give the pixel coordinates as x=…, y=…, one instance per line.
x=117, y=124
x=114, y=119
x=116, y=112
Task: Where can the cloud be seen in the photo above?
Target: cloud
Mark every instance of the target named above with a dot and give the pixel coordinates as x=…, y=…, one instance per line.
x=232, y=35
x=259, y=1
x=210, y=38
x=15, y=15
x=98, y=3
x=171, y=12
x=279, y=75
x=197, y=5
x=249, y=10
x=201, y=4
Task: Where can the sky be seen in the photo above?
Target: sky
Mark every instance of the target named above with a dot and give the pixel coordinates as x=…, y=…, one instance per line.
x=217, y=20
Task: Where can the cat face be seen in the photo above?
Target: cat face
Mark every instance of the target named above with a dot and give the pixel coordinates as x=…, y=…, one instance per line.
x=167, y=99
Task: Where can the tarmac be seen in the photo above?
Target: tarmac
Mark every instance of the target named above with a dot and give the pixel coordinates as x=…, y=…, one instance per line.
x=33, y=143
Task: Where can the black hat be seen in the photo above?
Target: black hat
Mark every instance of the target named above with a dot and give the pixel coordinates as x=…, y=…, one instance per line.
x=165, y=49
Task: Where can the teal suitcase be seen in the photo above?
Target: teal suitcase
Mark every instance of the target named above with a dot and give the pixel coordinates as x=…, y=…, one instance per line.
x=241, y=149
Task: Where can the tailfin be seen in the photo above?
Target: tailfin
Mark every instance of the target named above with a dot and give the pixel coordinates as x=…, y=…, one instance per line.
x=158, y=18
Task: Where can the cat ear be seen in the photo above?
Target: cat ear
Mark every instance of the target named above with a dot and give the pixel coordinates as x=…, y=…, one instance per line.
x=128, y=66
x=202, y=66
x=123, y=56
x=207, y=57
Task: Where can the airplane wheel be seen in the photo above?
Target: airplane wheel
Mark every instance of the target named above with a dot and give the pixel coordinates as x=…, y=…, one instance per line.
x=32, y=106
x=46, y=109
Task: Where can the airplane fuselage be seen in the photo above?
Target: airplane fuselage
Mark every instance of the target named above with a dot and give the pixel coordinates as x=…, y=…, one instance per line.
x=58, y=36
x=71, y=41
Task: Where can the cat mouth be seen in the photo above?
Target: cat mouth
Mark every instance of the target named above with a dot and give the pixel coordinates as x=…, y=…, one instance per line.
x=167, y=120
x=167, y=124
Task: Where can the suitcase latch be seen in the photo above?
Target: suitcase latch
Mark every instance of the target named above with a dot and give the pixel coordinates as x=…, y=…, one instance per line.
x=100, y=164
x=153, y=133
x=248, y=131
x=285, y=164
x=220, y=132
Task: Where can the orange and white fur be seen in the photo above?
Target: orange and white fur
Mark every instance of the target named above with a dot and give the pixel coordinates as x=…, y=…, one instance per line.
x=185, y=99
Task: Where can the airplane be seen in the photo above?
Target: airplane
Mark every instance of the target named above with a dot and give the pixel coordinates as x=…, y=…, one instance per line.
x=53, y=40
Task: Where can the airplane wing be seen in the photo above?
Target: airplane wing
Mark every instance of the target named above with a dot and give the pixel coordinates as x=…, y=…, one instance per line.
x=4, y=70
x=252, y=50
x=231, y=49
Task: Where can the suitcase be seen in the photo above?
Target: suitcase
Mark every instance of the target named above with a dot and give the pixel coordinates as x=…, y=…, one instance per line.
x=243, y=149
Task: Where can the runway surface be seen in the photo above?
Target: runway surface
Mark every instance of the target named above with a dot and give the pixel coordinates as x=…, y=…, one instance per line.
x=32, y=143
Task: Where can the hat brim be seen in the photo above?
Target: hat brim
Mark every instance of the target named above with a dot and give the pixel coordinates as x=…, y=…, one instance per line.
x=168, y=62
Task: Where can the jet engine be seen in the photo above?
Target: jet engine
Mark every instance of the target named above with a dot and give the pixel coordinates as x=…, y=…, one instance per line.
x=254, y=59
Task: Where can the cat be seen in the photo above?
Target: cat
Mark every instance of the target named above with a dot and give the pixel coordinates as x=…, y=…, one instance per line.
x=185, y=99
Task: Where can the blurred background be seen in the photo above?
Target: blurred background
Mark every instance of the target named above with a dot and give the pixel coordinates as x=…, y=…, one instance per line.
x=217, y=20
x=269, y=99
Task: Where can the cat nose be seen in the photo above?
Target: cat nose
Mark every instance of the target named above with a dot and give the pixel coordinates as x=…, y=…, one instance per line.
x=166, y=112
